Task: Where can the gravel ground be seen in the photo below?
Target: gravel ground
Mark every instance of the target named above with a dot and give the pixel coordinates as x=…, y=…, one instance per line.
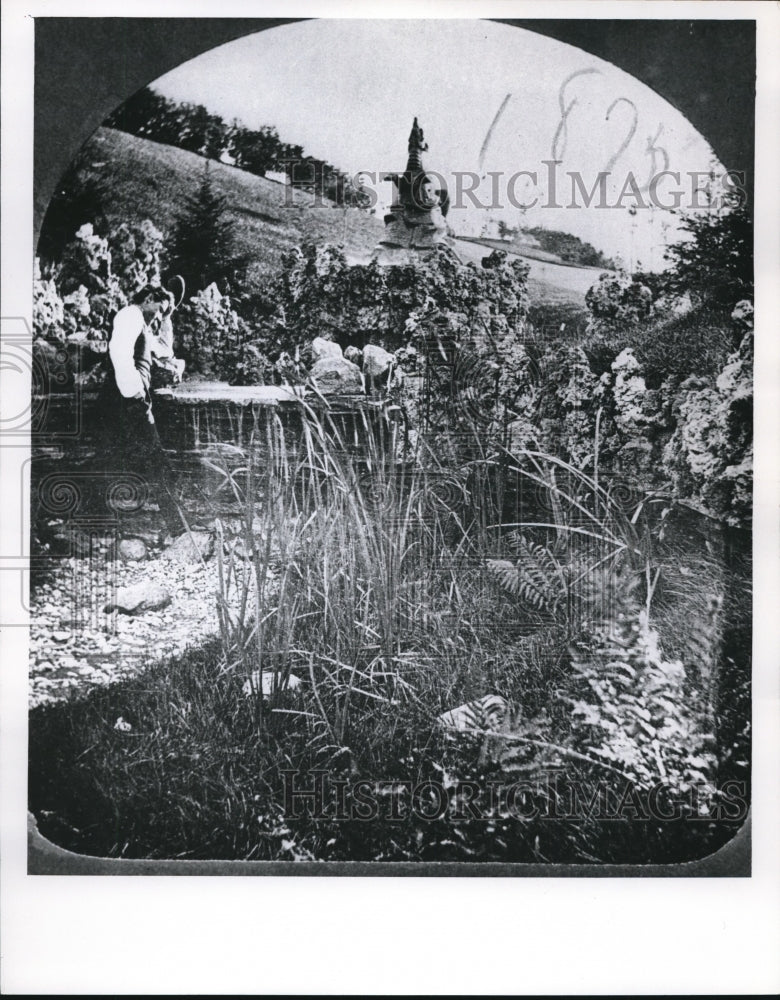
x=74, y=645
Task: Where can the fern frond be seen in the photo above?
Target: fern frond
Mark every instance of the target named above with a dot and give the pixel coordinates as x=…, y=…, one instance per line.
x=536, y=578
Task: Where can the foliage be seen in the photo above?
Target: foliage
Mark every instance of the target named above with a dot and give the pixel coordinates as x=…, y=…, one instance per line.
x=319, y=293
x=619, y=300
x=536, y=578
x=568, y=247
x=203, y=248
x=192, y=127
x=97, y=276
x=81, y=195
x=91, y=292
x=568, y=398
x=709, y=456
x=715, y=263
x=359, y=579
x=136, y=255
x=630, y=708
x=48, y=307
x=212, y=338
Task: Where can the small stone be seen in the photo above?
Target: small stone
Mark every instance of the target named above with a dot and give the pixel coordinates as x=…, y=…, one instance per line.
x=132, y=550
x=353, y=354
x=191, y=547
x=141, y=597
x=61, y=636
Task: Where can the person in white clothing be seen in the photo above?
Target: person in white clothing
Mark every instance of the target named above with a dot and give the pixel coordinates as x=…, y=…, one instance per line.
x=130, y=424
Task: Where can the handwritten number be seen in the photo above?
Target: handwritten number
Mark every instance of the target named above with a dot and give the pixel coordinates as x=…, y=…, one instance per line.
x=653, y=151
x=561, y=132
x=627, y=137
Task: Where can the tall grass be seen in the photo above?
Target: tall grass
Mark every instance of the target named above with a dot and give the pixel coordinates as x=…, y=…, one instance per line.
x=376, y=575
x=366, y=587
x=358, y=581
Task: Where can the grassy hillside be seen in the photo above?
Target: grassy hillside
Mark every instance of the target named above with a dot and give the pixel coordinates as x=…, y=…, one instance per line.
x=549, y=283
x=149, y=180
x=146, y=179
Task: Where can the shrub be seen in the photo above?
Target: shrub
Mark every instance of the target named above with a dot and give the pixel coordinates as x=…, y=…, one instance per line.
x=715, y=263
x=320, y=294
x=136, y=255
x=48, y=307
x=211, y=335
x=619, y=300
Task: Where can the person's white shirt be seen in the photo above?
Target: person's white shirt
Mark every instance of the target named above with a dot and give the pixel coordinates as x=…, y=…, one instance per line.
x=129, y=324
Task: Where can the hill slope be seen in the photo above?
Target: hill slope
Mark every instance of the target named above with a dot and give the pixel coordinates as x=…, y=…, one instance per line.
x=150, y=180
x=145, y=179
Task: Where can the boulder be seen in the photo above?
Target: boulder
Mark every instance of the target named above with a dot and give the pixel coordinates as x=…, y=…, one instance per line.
x=134, y=600
x=335, y=376
x=131, y=550
x=321, y=348
x=353, y=354
x=191, y=547
x=376, y=362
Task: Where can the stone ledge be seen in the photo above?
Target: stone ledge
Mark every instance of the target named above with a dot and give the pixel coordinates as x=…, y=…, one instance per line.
x=205, y=392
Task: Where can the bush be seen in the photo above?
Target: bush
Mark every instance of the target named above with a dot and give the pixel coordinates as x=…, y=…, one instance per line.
x=619, y=300
x=715, y=263
x=211, y=335
x=136, y=255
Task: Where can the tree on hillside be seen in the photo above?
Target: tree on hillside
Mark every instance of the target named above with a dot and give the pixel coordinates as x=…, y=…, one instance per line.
x=203, y=247
x=569, y=247
x=201, y=132
x=149, y=115
x=256, y=151
x=715, y=264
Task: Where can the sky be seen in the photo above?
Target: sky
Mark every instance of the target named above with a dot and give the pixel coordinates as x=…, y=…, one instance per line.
x=492, y=99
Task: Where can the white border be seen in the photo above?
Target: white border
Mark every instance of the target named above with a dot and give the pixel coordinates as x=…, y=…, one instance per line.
x=382, y=935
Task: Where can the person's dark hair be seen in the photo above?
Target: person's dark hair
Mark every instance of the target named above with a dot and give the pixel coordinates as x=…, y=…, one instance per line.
x=152, y=293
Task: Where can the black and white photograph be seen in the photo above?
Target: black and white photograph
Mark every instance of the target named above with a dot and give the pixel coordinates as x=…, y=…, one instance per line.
x=391, y=465
x=388, y=502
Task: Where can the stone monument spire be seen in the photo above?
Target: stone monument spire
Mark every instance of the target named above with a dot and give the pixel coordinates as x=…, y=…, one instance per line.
x=414, y=225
